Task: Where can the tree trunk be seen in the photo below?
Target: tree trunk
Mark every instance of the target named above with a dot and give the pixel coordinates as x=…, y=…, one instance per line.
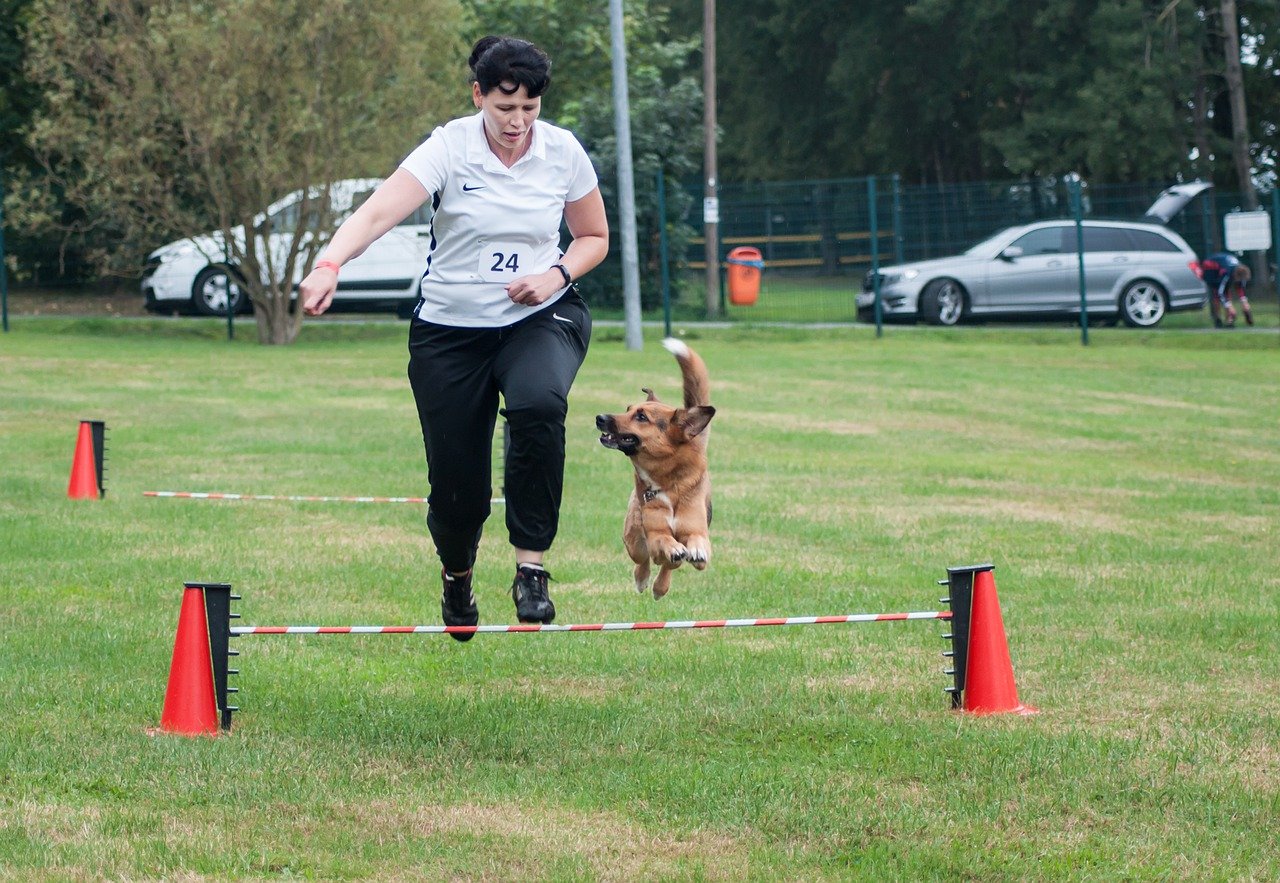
x=277, y=323
x=1240, y=122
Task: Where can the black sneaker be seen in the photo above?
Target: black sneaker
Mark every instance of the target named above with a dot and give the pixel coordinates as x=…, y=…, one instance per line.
x=458, y=604
x=529, y=591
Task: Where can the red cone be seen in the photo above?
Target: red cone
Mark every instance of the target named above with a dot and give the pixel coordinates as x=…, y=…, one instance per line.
x=84, y=470
x=190, y=708
x=988, y=683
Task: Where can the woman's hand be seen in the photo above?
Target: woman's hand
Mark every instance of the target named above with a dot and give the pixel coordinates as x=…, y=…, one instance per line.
x=533, y=290
x=317, y=290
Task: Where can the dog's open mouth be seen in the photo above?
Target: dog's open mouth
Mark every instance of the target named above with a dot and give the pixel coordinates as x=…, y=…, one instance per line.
x=627, y=444
x=611, y=438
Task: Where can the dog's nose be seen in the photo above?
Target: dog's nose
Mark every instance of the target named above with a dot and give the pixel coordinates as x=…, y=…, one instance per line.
x=604, y=422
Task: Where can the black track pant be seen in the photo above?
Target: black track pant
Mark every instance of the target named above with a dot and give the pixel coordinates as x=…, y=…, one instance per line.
x=457, y=375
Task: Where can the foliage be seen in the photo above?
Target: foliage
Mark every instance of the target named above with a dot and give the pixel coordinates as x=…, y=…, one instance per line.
x=167, y=118
x=945, y=92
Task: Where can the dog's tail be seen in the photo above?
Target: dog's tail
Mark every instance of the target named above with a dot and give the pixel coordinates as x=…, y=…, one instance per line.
x=697, y=383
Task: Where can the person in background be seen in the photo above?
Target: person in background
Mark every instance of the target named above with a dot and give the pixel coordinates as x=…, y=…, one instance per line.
x=498, y=316
x=1224, y=273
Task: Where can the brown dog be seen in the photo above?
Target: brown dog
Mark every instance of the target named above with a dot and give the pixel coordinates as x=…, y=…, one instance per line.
x=670, y=508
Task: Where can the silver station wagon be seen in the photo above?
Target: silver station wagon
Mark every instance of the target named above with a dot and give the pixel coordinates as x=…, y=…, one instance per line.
x=1135, y=271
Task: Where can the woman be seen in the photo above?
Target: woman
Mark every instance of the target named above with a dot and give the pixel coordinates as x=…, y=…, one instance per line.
x=498, y=313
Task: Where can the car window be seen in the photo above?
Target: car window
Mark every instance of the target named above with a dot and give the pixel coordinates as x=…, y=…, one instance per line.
x=359, y=198
x=421, y=216
x=1047, y=240
x=1148, y=240
x=1107, y=239
x=284, y=219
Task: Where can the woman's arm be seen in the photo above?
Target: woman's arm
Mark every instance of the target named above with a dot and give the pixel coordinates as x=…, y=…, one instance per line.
x=394, y=200
x=589, y=228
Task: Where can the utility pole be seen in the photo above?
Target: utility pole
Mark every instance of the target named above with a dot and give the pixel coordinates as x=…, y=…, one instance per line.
x=626, y=182
x=710, y=192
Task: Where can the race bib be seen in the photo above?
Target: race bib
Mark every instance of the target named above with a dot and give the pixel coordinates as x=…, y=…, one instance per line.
x=505, y=261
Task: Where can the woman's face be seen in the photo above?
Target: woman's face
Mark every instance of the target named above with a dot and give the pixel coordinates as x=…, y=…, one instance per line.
x=508, y=119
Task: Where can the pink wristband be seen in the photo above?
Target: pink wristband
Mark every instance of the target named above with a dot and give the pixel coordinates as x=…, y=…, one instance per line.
x=332, y=265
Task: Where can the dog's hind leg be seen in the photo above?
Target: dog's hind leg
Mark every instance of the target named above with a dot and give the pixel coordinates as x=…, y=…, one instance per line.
x=642, y=575
x=662, y=584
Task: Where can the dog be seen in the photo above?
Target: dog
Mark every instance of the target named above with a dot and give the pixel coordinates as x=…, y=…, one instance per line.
x=669, y=512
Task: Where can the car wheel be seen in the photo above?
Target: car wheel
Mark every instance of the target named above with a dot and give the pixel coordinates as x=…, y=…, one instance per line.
x=1143, y=304
x=942, y=302
x=214, y=288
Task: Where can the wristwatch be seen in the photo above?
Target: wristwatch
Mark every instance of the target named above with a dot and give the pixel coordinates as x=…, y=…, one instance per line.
x=564, y=271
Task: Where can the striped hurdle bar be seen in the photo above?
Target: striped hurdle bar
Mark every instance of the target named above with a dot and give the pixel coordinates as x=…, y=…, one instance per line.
x=196, y=701
x=291, y=498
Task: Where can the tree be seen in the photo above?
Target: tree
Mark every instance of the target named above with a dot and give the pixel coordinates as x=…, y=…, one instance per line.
x=163, y=119
x=1119, y=90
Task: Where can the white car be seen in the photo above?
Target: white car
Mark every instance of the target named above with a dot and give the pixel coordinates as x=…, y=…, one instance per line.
x=194, y=274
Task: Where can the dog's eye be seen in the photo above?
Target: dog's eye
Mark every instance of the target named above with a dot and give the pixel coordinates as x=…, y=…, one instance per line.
x=642, y=417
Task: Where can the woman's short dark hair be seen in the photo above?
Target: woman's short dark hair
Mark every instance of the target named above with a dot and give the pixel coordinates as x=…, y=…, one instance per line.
x=498, y=60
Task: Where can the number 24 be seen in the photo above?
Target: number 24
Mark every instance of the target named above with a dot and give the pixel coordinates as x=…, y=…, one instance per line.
x=502, y=263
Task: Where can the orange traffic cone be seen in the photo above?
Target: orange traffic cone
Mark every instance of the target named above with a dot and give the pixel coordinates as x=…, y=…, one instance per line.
x=190, y=708
x=86, y=482
x=988, y=683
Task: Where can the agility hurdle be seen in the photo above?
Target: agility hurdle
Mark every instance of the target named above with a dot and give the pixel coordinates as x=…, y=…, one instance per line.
x=291, y=498
x=197, y=697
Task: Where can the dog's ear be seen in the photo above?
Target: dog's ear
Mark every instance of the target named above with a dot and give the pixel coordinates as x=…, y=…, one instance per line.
x=694, y=420
x=650, y=397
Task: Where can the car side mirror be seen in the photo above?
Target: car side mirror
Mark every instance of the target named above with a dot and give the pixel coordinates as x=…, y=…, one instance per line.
x=1013, y=251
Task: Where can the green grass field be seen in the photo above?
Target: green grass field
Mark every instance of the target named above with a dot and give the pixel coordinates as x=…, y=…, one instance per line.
x=1128, y=493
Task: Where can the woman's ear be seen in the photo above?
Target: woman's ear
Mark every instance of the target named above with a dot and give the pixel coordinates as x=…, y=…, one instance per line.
x=476, y=94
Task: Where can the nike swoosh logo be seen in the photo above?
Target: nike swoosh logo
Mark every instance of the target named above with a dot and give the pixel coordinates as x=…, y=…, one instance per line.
x=555, y=315
x=468, y=189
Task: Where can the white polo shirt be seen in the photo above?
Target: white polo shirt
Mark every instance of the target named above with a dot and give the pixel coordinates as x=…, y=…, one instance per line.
x=492, y=224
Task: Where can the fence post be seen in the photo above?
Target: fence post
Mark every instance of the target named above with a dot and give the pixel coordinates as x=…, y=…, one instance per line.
x=1077, y=210
x=873, y=223
x=4, y=277
x=897, y=219
x=1275, y=237
x=662, y=252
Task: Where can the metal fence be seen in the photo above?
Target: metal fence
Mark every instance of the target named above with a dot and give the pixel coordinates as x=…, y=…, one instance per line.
x=819, y=236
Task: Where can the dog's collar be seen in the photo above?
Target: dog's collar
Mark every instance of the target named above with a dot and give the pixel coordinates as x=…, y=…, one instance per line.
x=650, y=494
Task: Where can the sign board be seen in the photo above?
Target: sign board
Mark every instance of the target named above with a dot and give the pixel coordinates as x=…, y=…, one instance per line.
x=1247, y=231
x=711, y=210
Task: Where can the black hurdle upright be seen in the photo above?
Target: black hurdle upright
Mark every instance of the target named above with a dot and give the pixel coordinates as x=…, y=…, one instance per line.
x=98, y=429
x=960, y=599
x=218, y=616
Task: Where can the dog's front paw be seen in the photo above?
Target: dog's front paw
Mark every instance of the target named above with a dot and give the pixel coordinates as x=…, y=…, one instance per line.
x=698, y=552
x=666, y=552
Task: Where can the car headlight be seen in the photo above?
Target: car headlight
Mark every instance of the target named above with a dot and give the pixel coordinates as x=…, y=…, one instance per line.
x=172, y=252
x=892, y=278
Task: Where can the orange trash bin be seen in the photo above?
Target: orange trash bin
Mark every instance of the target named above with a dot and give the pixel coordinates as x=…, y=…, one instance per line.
x=745, y=266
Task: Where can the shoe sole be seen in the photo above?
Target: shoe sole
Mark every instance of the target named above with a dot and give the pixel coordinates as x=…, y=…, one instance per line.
x=547, y=620
x=458, y=636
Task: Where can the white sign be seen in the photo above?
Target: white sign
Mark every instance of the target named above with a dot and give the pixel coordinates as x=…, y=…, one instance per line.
x=711, y=210
x=1247, y=231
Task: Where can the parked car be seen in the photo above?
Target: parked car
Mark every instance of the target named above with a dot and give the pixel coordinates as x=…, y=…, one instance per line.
x=195, y=274
x=1134, y=270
